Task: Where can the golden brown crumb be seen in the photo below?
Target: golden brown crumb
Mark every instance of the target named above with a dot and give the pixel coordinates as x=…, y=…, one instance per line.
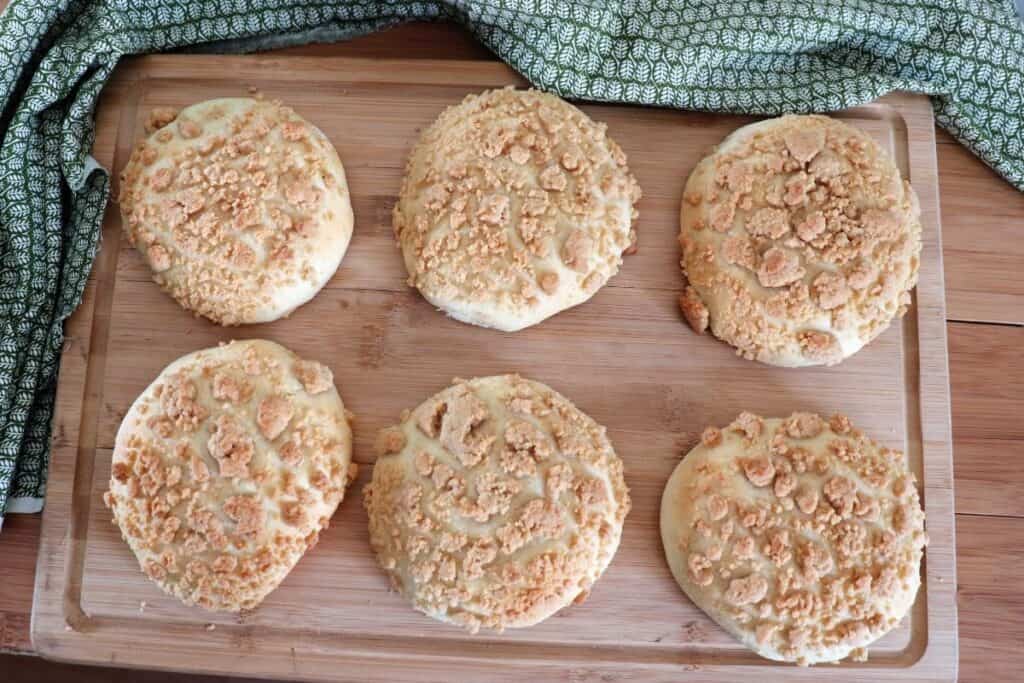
x=231, y=447
x=189, y=129
x=226, y=388
x=494, y=209
x=807, y=501
x=246, y=512
x=819, y=346
x=390, y=441
x=160, y=117
x=553, y=179
x=315, y=377
x=759, y=471
x=717, y=507
x=784, y=484
x=832, y=290
x=779, y=268
x=294, y=131
x=548, y=282
x=744, y=548
x=273, y=414
x=750, y=425
x=576, y=252
x=768, y=222
x=700, y=569
x=711, y=436
x=159, y=258
x=811, y=227
x=746, y=591
x=694, y=310
x=804, y=144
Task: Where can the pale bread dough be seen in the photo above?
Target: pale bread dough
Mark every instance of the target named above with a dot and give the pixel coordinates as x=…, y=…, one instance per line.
x=801, y=242
x=495, y=503
x=226, y=469
x=801, y=537
x=515, y=206
x=239, y=206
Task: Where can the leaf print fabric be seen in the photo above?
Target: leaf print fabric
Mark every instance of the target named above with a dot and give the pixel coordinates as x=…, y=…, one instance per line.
x=757, y=57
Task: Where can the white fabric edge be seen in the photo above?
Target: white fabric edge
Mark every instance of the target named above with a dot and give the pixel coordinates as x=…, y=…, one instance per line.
x=24, y=505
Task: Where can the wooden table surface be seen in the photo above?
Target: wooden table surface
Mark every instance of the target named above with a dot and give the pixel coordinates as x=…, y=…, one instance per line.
x=983, y=232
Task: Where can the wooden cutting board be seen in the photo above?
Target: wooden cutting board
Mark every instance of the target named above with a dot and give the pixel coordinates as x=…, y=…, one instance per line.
x=625, y=357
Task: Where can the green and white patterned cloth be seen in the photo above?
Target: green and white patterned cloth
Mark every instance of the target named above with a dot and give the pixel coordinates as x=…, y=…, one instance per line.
x=744, y=56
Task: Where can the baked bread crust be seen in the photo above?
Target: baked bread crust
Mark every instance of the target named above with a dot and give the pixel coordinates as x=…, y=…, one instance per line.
x=495, y=503
x=801, y=537
x=801, y=242
x=515, y=206
x=239, y=206
x=226, y=469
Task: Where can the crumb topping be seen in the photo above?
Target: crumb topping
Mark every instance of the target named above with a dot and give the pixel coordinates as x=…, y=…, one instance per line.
x=509, y=197
x=215, y=517
x=273, y=414
x=748, y=591
x=240, y=208
x=814, y=243
x=160, y=117
x=801, y=536
x=316, y=378
x=231, y=446
x=495, y=503
x=694, y=310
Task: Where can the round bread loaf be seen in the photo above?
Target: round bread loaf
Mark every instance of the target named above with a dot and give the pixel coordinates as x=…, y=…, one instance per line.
x=226, y=469
x=801, y=537
x=495, y=503
x=515, y=206
x=800, y=241
x=239, y=206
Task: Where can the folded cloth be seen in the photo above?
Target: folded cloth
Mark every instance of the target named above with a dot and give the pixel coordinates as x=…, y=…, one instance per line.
x=744, y=56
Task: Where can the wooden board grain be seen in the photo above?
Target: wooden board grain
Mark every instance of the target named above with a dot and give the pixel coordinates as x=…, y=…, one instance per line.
x=18, y=544
x=624, y=357
x=983, y=251
x=992, y=598
x=987, y=384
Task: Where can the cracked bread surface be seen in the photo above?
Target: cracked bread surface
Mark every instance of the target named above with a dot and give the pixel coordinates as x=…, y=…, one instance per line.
x=515, y=205
x=801, y=241
x=239, y=207
x=226, y=469
x=801, y=537
x=495, y=503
